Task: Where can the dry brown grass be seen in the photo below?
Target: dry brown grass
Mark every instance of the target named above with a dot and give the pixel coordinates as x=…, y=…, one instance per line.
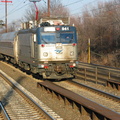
x=109, y=59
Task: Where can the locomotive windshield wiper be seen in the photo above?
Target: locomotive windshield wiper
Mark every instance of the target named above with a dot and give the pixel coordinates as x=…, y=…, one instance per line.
x=70, y=41
x=44, y=41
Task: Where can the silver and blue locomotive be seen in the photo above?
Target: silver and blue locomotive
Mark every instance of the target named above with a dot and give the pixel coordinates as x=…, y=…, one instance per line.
x=50, y=51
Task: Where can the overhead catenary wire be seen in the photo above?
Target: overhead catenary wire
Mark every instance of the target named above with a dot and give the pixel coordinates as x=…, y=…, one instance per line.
x=19, y=3
x=99, y=9
x=23, y=1
x=15, y=10
x=72, y=3
x=16, y=7
x=19, y=8
x=84, y=5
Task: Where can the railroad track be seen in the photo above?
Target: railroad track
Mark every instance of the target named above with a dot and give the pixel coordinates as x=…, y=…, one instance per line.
x=20, y=104
x=86, y=106
x=106, y=99
x=83, y=107
x=3, y=114
x=94, y=90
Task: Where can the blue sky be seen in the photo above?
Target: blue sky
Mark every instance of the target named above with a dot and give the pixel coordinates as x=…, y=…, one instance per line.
x=17, y=8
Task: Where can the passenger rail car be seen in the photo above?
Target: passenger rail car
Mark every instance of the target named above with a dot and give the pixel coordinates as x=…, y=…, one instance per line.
x=50, y=51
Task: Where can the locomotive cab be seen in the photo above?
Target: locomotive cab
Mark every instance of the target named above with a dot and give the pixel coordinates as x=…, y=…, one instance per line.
x=57, y=46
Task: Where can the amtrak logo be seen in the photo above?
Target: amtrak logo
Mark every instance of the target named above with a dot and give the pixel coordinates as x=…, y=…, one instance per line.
x=58, y=51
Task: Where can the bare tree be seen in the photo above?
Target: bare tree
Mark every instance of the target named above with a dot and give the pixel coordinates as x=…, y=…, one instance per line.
x=56, y=9
x=102, y=25
x=31, y=13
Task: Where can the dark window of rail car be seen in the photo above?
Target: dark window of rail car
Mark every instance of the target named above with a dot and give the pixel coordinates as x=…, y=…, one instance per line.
x=67, y=37
x=48, y=38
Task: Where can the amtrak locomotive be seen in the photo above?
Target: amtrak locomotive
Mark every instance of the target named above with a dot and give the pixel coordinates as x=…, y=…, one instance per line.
x=50, y=51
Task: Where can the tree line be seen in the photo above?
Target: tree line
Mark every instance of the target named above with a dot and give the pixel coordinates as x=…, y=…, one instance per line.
x=102, y=26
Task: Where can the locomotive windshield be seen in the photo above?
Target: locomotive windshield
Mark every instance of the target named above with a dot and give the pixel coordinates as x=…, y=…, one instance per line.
x=66, y=37
x=48, y=38
x=63, y=37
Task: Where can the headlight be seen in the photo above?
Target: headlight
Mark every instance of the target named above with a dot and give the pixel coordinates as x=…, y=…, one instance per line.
x=41, y=66
x=71, y=53
x=45, y=54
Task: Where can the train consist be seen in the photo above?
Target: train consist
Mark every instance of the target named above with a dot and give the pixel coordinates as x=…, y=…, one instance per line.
x=47, y=50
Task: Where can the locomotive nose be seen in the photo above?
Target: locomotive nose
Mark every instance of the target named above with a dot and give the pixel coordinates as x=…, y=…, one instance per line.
x=59, y=69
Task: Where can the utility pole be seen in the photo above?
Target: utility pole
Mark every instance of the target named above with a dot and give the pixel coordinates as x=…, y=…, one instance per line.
x=48, y=8
x=89, y=50
x=6, y=15
x=6, y=12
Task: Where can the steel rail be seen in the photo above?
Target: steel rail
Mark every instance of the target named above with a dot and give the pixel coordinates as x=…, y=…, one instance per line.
x=100, y=92
x=3, y=111
x=86, y=106
x=47, y=112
